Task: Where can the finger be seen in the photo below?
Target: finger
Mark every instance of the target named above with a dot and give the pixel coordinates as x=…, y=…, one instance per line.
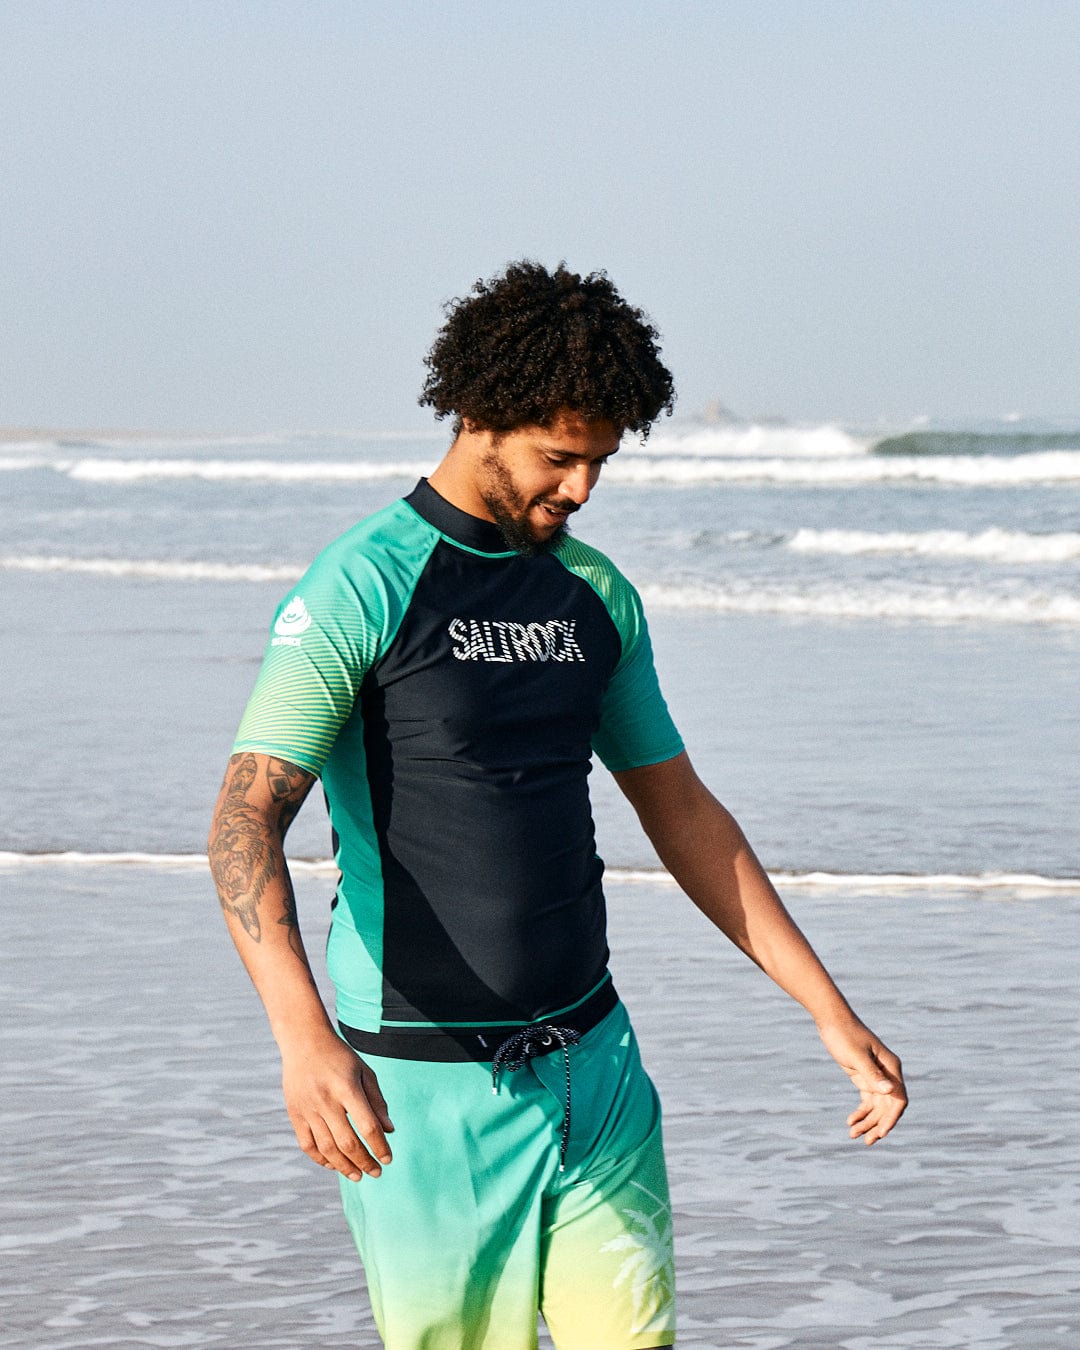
x=860, y=1113
x=864, y=1126
x=893, y=1112
x=890, y=1067
x=870, y=1075
x=373, y=1093
x=339, y=1145
x=365, y=1123
x=877, y=1133
x=875, y=1122
x=333, y=1146
x=306, y=1140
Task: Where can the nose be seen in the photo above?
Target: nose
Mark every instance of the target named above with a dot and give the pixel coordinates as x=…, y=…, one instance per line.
x=578, y=482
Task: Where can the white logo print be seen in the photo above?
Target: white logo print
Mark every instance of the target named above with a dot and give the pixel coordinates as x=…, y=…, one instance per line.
x=498, y=640
x=293, y=620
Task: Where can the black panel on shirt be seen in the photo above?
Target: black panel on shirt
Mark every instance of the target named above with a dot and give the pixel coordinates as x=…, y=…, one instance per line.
x=489, y=747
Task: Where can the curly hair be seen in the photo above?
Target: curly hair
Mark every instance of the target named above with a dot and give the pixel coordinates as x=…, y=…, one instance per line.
x=529, y=343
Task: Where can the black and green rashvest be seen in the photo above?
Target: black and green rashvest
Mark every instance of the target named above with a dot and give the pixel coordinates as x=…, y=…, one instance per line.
x=449, y=694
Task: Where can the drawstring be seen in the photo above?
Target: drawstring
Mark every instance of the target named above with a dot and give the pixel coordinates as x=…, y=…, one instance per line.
x=522, y=1046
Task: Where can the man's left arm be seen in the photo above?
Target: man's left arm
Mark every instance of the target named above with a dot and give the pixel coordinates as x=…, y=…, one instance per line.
x=703, y=848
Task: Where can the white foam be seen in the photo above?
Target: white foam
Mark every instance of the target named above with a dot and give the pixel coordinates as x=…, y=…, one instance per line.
x=154, y=569
x=655, y=465
x=75, y=858
x=992, y=545
x=929, y=603
x=168, y=861
x=852, y=881
x=232, y=470
x=926, y=881
x=754, y=441
x=879, y=881
x=1050, y=466
x=932, y=604
x=14, y=464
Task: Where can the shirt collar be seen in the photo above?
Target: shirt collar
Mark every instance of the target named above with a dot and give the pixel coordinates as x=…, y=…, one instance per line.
x=482, y=535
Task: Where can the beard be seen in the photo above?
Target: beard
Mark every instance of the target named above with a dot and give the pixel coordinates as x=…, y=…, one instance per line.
x=510, y=511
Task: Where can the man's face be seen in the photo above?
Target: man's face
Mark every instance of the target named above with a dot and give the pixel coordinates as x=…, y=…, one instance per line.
x=534, y=478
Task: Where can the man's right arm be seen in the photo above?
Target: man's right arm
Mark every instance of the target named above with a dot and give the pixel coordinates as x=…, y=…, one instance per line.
x=333, y=1098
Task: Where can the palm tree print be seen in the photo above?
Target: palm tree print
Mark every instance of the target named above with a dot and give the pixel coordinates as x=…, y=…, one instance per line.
x=647, y=1268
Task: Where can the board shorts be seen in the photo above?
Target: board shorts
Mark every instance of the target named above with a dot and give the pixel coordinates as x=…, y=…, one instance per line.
x=473, y=1228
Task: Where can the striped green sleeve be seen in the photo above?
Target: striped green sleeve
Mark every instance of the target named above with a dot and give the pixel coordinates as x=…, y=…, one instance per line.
x=635, y=726
x=321, y=646
x=326, y=634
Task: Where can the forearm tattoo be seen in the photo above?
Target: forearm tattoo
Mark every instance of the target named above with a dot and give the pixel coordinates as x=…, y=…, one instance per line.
x=243, y=844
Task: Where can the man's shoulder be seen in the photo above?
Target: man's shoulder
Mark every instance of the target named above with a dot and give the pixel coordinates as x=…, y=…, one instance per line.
x=596, y=568
x=391, y=539
x=619, y=597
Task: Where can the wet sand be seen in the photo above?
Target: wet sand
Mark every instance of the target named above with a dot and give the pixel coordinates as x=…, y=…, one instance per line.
x=151, y=1194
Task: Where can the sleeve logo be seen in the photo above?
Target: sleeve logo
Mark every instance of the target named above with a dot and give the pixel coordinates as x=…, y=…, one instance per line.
x=496, y=640
x=293, y=620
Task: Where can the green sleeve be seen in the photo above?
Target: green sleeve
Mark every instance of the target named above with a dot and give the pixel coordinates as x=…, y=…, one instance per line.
x=327, y=633
x=635, y=726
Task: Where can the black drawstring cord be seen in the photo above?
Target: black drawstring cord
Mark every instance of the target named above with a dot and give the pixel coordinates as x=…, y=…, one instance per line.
x=522, y=1046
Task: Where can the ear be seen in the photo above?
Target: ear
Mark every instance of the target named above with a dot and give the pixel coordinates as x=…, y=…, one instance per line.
x=477, y=436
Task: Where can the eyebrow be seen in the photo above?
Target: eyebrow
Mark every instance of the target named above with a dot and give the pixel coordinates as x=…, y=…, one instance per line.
x=574, y=454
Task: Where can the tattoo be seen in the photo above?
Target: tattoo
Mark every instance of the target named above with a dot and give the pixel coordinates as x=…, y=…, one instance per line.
x=243, y=852
x=286, y=780
x=288, y=919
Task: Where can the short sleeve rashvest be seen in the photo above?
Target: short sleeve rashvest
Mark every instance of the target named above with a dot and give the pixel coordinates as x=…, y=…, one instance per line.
x=449, y=694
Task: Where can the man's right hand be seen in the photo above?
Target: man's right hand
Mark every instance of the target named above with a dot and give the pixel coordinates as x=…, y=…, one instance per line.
x=336, y=1107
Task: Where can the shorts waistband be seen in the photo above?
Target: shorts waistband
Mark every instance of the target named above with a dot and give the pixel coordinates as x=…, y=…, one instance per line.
x=448, y=1045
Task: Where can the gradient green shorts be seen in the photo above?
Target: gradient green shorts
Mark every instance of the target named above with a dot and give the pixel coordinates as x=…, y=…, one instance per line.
x=473, y=1228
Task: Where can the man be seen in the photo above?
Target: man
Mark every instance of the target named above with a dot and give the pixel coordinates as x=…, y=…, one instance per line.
x=446, y=668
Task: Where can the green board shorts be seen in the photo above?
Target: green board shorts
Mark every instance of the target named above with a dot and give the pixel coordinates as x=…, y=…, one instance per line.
x=473, y=1228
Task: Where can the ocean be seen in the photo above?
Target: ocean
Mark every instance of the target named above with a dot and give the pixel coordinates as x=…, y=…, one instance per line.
x=870, y=643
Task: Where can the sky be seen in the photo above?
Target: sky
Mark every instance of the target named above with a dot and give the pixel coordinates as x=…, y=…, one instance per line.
x=246, y=215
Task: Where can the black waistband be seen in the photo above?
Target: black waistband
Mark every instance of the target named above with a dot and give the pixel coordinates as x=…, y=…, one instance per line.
x=447, y=1045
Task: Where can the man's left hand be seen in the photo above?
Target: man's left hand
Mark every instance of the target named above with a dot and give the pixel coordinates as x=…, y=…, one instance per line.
x=875, y=1071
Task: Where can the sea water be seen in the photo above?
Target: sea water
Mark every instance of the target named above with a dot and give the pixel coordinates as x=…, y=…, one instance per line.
x=870, y=644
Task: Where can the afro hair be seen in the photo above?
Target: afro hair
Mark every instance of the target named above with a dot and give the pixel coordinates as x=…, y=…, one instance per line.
x=530, y=343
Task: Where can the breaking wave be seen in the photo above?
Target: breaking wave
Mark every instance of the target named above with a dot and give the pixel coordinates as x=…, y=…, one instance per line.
x=232, y=470
x=1012, y=442
x=633, y=470
x=934, y=604
x=1052, y=466
x=991, y=545
x=20, y=463
x=824, y=456
x=755, y=442
x=153, y=569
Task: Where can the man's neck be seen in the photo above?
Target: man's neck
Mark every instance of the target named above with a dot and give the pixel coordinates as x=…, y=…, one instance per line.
x=456, y=478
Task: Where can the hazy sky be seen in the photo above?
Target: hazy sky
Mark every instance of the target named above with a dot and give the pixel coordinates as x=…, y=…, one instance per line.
x=245, y=214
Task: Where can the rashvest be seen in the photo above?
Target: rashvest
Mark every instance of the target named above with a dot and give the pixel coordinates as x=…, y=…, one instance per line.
x=450, y=693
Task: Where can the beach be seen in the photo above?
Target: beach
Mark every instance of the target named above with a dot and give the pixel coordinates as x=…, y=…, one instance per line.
x=153, y=1196
x=872, y=655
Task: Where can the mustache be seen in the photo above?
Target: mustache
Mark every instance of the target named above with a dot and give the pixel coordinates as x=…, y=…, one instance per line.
x=557, y=504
